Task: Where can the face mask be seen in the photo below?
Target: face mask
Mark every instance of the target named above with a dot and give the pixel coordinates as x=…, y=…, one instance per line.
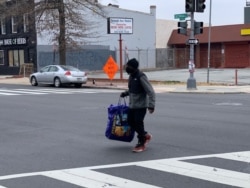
x=129, y=70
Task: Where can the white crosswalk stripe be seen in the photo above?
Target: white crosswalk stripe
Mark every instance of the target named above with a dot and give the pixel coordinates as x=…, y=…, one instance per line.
x=17, y=92
x=89, y=178
x=12, y=92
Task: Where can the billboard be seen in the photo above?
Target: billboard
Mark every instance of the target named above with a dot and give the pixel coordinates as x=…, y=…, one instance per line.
x=120, y=25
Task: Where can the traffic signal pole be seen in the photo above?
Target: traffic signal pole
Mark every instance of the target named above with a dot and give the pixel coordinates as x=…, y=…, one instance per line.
x=192, y=6
x=191, y=82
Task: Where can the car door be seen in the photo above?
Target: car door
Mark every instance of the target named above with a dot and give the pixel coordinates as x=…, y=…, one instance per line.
x=42, y=75
x=51, y=74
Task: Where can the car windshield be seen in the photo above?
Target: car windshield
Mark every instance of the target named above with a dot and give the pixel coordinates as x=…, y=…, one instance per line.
x=69, y=68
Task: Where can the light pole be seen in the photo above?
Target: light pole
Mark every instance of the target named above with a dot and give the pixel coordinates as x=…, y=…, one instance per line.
x=209, y=41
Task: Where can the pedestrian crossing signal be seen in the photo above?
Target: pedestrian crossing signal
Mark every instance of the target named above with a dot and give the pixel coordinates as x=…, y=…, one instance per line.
x=200, y=5
x=182, y=28
x=198, y=28
x=190, y=5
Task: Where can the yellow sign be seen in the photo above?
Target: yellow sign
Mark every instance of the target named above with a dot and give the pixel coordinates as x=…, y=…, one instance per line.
x=245, y=32
x=110, y=67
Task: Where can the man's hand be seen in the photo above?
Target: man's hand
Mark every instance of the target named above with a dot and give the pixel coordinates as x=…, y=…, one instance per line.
x=123, y=94
x=151, y=110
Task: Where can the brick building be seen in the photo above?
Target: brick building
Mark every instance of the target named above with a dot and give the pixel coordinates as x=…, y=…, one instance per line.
x=229, y=47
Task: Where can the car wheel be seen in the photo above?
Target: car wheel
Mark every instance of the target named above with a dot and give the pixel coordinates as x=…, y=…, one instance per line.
x=78, y=85
x=57, y=82
x=33, y=81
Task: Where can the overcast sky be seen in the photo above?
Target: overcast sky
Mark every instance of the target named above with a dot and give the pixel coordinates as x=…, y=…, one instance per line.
x=224, y=12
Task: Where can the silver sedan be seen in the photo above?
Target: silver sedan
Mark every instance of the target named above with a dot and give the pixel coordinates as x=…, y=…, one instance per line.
x=59, y=74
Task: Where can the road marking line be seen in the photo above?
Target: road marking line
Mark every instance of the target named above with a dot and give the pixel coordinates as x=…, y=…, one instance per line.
x=173, y=165
x=212, y=174
x=52, y=91
x=46, y=91
x=3, y=93
x=22, y=92
x=91, y=179
x=243, y=157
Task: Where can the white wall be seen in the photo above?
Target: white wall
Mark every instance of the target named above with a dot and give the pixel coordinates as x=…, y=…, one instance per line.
x=164, y=29
x=142, y=39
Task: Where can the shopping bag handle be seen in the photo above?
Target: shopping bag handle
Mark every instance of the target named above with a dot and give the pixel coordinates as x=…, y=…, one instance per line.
x=120, y=101
x=120, y=115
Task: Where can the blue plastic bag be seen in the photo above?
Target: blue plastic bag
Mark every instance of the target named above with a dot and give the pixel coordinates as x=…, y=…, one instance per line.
x=117, y=125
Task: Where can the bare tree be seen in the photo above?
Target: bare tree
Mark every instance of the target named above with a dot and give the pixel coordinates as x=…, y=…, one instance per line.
x=64, y=20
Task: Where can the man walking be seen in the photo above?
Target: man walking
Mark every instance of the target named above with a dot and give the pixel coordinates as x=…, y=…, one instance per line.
x=141, y=98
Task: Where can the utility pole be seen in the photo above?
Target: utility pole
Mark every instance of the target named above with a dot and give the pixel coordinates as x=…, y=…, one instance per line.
x=191, y=82
x=192, y=6
x=209, y=42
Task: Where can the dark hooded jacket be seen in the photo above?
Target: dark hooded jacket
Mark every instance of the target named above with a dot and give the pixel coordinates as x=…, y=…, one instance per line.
x=140, y=91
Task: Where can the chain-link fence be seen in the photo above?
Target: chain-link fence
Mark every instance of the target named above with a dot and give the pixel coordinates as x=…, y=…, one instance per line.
x=146, y=57
x=94, y=59
x=149, y=58
x=162, y=58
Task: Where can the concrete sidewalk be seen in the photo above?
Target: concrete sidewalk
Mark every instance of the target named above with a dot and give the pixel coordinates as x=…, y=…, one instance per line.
x=207, y=80
x=174, y=81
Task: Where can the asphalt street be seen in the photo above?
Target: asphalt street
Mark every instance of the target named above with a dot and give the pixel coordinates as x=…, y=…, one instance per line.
x=54, y=137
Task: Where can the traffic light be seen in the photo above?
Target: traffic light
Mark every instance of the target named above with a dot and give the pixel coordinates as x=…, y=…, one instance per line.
x=200, y=5
x=198, y=28
x=190, y=5
x=182, y=28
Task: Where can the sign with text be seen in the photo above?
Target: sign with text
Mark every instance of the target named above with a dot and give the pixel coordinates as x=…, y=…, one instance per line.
x=120, y=25
x=193, y=41
x=13, y=41
x=181, y=16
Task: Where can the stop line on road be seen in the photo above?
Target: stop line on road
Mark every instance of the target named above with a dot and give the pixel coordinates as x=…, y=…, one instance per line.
x=94, y=177
x=15, y=92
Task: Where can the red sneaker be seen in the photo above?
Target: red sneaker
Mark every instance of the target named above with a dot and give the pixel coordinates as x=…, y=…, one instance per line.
x=148, y=138
x=139, y=148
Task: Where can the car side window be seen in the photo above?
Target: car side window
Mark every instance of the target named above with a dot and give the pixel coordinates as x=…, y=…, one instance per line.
x=53, y=69
x=45, y=69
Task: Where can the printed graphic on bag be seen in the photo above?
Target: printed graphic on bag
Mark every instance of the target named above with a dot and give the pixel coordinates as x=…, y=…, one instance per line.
x=120, y=128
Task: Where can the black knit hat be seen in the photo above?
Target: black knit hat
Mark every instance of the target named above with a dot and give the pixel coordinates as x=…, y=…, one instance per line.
x=133, y=63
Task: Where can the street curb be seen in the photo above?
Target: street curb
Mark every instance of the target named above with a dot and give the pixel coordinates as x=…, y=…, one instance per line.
x=207, y=92
x=159, y=86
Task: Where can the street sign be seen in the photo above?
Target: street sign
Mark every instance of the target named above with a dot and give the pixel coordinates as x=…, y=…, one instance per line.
x=181, y=16
x=120, y=25
x=193, y=41
x=110, y=67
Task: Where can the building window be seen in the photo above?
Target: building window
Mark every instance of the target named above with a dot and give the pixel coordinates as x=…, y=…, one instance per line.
x=14, y=22
x=1, y=57
x=16, y=58
x=26, y=22
x=3, y=26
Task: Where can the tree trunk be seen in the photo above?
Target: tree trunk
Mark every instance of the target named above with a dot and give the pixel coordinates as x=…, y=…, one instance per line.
x=61, y=39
